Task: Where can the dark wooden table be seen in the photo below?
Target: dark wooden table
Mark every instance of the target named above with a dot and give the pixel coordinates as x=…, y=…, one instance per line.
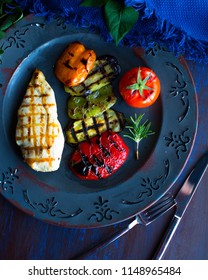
x=24, y=237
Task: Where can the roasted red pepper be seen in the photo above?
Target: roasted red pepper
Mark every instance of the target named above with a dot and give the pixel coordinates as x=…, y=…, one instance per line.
x=100, y=157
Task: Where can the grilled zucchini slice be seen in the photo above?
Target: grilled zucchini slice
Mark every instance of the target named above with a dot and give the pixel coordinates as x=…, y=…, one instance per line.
x=85, y=129
x=106, y=69
x=82, y=107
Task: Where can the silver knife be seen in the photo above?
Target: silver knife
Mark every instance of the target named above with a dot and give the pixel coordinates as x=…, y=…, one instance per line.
x=183, y=199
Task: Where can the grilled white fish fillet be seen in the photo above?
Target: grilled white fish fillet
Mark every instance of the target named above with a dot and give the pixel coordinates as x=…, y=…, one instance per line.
x=38, y=132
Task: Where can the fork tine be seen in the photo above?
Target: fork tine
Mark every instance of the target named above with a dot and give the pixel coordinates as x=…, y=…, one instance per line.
x=158, y=209
x=159, y=204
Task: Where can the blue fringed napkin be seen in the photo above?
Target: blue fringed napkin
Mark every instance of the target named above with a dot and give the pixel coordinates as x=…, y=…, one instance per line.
x=181, y=26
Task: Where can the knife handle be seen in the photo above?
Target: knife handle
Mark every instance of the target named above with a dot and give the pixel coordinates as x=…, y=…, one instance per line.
x=166, y=238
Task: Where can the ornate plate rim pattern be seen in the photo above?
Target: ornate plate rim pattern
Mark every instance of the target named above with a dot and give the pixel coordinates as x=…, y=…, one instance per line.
x=104, y=207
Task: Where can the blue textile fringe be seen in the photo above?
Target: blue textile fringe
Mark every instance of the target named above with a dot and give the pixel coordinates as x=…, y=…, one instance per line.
x=149, y=30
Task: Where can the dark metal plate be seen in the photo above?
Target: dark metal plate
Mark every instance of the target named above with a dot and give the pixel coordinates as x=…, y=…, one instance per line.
x=60, y=197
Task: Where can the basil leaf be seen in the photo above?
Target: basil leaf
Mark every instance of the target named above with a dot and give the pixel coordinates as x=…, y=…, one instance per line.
x=93, y=3
x=2, y=16
x=1, y=8
x=6, y=23
x=11, y=19
x=2, y=34
x=119, y=19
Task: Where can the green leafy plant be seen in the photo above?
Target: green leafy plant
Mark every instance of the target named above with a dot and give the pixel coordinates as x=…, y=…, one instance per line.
x=10, y=13
x=119, y=18
x=95, y=3
x=138, y=131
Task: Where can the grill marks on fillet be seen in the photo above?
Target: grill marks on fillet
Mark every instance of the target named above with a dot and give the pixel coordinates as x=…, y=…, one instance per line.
x=37, y=126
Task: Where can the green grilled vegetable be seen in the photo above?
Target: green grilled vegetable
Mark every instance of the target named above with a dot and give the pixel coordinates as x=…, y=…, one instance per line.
x=106, y=69
x=82, y=107
x=82, y=130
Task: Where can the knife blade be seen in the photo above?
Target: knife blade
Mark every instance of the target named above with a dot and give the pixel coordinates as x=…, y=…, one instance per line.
x=183, y=198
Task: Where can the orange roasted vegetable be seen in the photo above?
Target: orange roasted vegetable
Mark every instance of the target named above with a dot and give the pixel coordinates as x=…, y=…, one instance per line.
x=74, y=64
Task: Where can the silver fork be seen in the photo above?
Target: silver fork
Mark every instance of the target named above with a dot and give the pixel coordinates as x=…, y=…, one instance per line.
x=145, y=217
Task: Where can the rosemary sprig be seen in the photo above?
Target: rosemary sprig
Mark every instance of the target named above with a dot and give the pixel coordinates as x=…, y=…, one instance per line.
x=138, y=131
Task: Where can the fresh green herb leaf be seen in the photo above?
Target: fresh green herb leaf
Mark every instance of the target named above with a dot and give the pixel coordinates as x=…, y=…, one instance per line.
x=1, y=9
x=2, y=34
x=138, y=131
x=9, y=21
x=9, y=15
x=93, y=3
x=119, y=19
x=2, y=16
